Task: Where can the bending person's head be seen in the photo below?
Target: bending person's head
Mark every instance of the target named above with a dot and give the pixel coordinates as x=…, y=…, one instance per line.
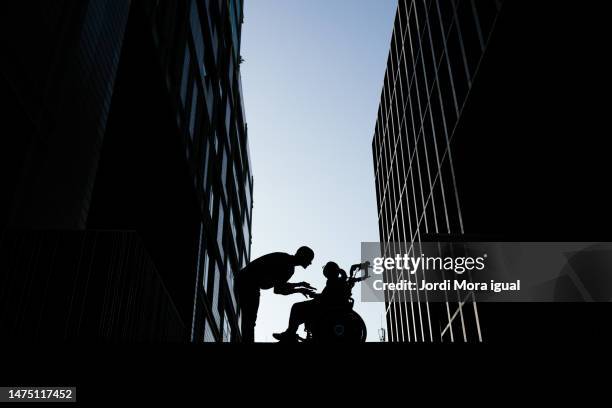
x=304, y=256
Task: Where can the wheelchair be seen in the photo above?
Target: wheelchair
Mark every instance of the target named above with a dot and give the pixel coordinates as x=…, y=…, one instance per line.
x=336, y=324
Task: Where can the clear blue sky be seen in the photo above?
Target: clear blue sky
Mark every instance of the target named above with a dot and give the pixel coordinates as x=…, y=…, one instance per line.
x=312, y=79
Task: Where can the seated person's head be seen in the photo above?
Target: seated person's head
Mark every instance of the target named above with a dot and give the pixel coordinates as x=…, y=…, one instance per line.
x=333, y=271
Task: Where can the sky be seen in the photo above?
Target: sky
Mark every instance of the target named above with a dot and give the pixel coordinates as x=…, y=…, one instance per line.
x=312, y=79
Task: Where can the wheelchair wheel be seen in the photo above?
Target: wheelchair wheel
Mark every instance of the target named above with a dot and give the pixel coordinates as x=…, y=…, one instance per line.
x=340, y=326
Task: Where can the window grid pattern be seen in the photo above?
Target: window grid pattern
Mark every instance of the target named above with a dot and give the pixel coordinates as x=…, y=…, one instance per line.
x=434, y=56
x=211, y=117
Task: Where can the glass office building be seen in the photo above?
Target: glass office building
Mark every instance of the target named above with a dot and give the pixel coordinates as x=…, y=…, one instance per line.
x=210, y=95
x=211, y=115
x=128, y=119
x=489, y=129
x=436, y=49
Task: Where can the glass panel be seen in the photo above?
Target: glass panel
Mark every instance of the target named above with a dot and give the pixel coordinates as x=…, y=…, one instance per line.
x=185, y=75
x=209, y=337
x=193, y=111
x=220, y=228
x=215, y=299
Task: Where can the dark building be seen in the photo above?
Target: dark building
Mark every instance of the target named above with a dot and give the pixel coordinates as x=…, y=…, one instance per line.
x=125, y=137
x=488, y=130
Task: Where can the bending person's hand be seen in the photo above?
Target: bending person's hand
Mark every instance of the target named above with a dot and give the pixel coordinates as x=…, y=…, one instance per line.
x=309, y=293
x=305, y=285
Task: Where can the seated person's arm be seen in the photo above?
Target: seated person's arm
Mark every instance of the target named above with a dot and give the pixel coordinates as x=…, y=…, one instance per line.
x=355, y=267
x=361, y=278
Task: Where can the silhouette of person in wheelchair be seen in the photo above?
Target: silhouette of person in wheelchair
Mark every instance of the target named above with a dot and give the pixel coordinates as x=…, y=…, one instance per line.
x=329, y=317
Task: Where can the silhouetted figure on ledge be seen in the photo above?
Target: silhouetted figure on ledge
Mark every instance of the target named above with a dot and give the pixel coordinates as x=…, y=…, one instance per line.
x=335, y=296
x=269, y=271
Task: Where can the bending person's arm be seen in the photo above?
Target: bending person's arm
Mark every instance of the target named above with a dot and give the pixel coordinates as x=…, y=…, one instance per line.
x=284, y=289
x=287, y=288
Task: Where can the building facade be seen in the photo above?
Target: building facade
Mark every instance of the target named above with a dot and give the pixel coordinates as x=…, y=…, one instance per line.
x=489, y=129
x=129, y=119
x=436, y=49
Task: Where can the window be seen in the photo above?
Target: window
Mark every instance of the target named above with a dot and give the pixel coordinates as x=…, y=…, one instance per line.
x=447, y=97
x=420, y=13
x=235, y=178
x=211, y=203
x=428, y=59
x=209, y=96
x=202, y=261
x=224, y=171
x=446, y=11
x=215, y=298
x=198, y=39
x=220, y=228
x=424, y=163
x=247, y=191
x=456, y=60
x=230, y=285
x=408, y=61
x=185, y=75
x=437, y=117
x=486, y=12
x=233, y=226
x=228, y=118
x=209, y=337
x=227, y=330
x=234, y=24
x=246, y=230
x=413, y=29
x=470, y=35
x=440, y=202
x=450, y=196
x=193, y=111
x=205, y=167
x=205, y=270
x=224, y=168
x=421, y=97
x=436, y=34
x=403, y=79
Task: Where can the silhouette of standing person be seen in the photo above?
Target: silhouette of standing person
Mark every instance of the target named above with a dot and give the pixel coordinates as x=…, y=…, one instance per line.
x=269, y=271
